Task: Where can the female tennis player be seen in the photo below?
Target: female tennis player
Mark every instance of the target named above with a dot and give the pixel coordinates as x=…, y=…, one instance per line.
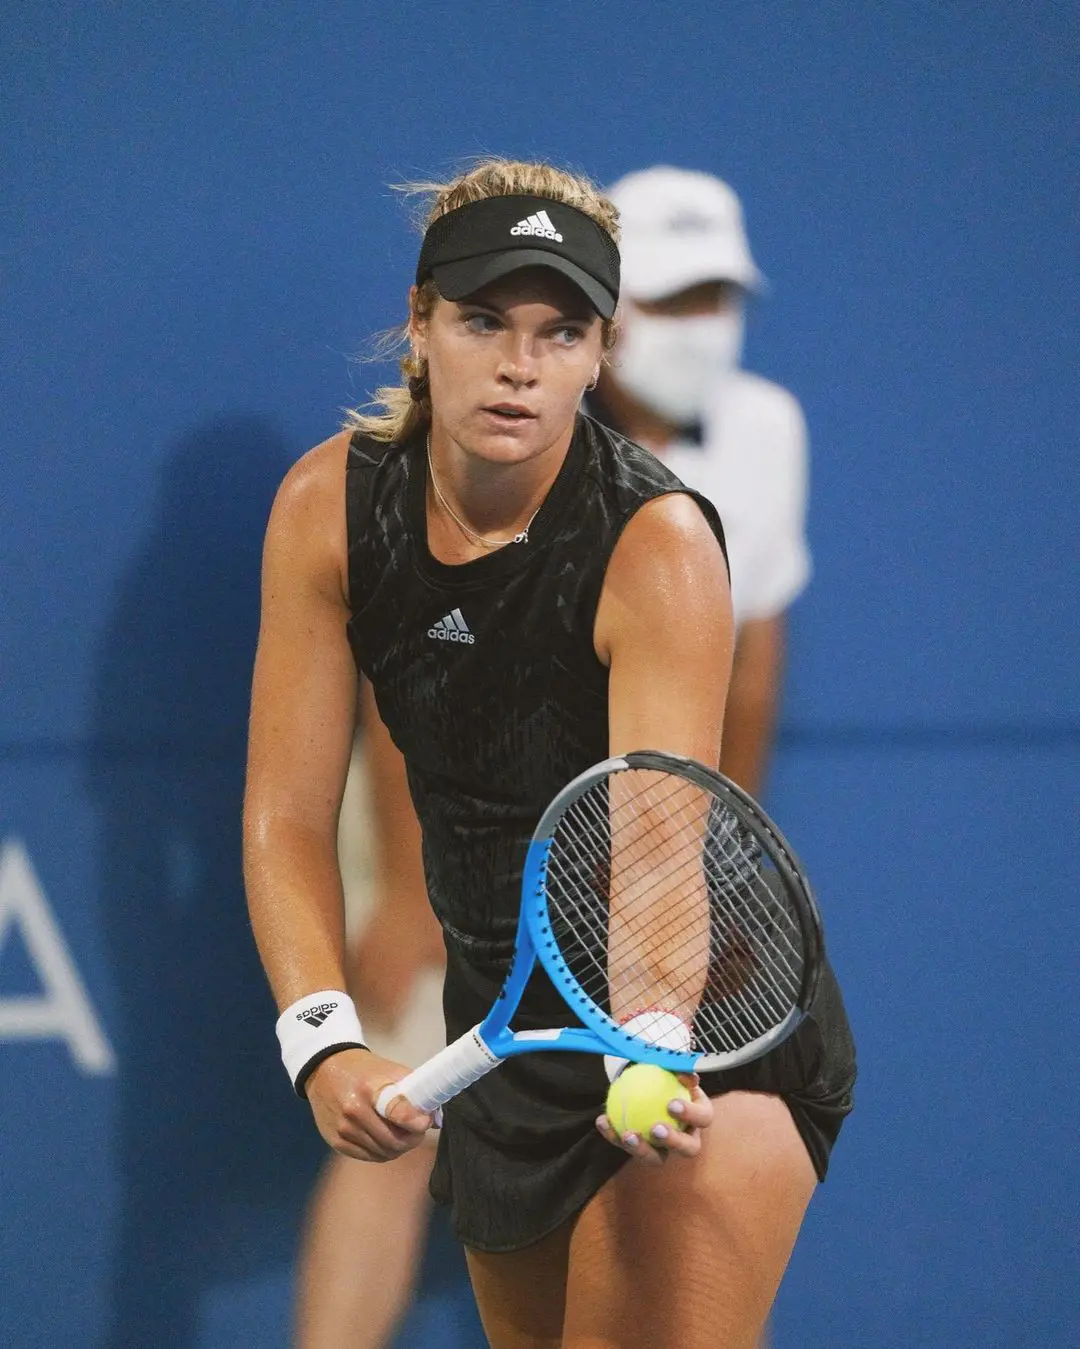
x=527, y=593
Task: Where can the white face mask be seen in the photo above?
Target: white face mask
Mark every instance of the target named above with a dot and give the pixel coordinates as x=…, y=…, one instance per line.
x=673, y=364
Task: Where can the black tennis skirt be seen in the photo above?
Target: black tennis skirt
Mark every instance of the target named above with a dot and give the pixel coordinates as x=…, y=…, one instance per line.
x=519, y=1153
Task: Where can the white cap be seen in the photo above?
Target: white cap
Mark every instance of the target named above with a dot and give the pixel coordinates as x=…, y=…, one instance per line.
x=680, y=228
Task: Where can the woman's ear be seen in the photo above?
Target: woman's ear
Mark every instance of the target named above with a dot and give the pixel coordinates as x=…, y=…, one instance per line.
x=416, y=326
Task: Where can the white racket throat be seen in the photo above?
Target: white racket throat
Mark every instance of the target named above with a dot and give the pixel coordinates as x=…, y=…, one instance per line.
x=661, y=1030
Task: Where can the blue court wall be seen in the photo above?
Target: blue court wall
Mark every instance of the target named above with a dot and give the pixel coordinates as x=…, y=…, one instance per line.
x=198, y=238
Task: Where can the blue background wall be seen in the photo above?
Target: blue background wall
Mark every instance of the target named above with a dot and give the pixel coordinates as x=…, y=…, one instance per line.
x=197, y=237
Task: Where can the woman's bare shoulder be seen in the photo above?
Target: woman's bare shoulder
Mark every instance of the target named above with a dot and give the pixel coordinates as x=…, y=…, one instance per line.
x=667, y=535
x=308, y=516
x=317, y=478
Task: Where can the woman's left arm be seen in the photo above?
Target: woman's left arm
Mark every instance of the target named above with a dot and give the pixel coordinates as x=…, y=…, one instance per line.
x=664, y=628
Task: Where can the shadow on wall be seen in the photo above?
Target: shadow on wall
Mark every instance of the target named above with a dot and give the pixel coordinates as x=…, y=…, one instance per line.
x=214, y=1159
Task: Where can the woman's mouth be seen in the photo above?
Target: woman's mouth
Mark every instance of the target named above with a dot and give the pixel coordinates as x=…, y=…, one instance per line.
x=510, y=412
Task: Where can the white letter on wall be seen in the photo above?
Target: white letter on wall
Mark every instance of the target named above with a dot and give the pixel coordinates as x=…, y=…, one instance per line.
x=63, y=1011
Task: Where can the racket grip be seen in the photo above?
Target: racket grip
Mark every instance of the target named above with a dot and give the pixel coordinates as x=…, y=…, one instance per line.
x=443, y=1076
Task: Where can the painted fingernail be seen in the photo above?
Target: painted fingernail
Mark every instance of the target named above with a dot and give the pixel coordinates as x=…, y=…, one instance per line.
x=631, y=1140
x=660, y=1131
x=677, y=1107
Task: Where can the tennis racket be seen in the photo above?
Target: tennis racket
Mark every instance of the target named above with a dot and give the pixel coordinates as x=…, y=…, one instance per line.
x=671, y=915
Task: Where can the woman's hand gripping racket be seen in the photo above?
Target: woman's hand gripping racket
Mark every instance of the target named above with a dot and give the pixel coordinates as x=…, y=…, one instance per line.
x=671, y=915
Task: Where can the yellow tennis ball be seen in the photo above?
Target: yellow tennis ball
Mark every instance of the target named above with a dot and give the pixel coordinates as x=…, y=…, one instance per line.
x=639, y=1096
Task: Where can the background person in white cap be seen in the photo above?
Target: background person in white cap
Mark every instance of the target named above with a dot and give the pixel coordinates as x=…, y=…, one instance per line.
x=674, y=384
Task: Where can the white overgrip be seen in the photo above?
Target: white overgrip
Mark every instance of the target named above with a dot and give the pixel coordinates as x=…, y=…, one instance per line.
x=444, y=1075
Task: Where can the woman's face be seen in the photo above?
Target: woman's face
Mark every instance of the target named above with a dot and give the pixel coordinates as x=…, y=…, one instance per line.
x=508, y=366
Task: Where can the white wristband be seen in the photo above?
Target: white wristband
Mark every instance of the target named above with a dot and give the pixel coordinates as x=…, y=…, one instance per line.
x=312, y=1029
x=665, y=1030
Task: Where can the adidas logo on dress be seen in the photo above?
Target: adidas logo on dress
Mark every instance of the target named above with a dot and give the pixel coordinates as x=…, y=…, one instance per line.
x=452, y=628
x=539, y=224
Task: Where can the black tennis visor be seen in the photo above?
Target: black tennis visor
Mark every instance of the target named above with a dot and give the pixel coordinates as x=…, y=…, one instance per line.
x=467, y=249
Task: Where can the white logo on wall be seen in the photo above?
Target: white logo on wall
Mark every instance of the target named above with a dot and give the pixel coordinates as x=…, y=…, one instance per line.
x=62, y=1011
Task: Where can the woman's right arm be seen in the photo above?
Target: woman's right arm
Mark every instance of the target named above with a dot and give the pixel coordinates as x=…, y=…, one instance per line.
x=402, y=937
x=302, y=717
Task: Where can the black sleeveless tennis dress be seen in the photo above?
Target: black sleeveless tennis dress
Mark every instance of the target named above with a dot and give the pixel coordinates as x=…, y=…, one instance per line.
x=486, y=676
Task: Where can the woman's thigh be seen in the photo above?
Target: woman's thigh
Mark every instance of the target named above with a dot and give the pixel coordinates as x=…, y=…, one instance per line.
x=521, y=1294
x=690, y=1255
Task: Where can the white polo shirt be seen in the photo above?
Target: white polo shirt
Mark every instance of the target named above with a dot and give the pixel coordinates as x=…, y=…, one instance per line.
x=752, y=464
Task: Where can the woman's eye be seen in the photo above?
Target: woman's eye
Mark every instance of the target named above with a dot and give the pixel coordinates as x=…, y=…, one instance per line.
x=481, y=323
x=568, y=336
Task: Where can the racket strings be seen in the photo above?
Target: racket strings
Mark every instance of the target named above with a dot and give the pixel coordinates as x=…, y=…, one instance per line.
x=642, y=864
x=740, y=929
x=759, y=1011
x=658, y=897
x=776, y=927
x=736, y=974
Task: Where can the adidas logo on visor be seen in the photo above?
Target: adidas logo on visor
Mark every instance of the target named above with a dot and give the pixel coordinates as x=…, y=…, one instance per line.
x=540, y=225
x=452, y=628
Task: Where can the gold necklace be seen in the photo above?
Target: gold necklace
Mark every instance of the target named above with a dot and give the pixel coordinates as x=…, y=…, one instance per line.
x=521, y=537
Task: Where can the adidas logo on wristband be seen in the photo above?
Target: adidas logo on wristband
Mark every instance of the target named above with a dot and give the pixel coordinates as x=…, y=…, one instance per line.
x=306, y=1037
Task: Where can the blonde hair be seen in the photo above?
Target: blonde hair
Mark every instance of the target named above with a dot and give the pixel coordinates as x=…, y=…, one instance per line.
x=398, y=409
